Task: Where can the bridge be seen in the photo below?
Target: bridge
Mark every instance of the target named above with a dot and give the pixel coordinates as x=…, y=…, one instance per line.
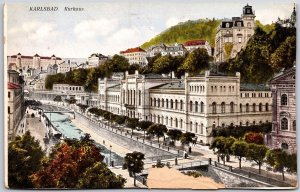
x=55, y=109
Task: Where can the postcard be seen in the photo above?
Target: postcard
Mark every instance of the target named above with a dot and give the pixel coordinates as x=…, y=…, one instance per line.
x=150, y=95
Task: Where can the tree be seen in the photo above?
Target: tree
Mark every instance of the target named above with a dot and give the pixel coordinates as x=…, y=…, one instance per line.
x=239, y=149
x=196, y=61
x=133, y=162
x=99, y=176
x=57, y=98
x=257, y=154
x=132, y=123
x=174, y=134
x=82, y=107
x=69, y=165
x=256, y=138
x=24, y=158
x=292, y=163
x=223, y=145
x=278, y=159
x=164, y=64
x=186, y=138
x=144, y=125
x=158, y=130
x=120, y=119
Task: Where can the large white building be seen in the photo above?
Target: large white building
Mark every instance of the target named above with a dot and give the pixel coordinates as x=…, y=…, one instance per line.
x=135, y=56
x=233, y=34
x=195, y=104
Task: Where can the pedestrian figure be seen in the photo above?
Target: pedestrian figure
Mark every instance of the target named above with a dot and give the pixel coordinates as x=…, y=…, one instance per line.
x=103, y=142
x=190, y=149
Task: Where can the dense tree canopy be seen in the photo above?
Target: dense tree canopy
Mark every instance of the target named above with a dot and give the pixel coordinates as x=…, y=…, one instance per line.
x=75, y=163
x=196, y=61
x=25, y=157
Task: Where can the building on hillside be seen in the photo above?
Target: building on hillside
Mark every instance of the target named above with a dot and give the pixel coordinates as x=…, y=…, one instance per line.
x=283, y=87
x=37, y=85
x=175, y=50
x=65, y=88
x=36, y=62
x=195, y=104
x=135, y=56
x=233, y=34
x=16, y=121
x=156, y=49
x=96, y=59
x=289, y=22
x=195, y=44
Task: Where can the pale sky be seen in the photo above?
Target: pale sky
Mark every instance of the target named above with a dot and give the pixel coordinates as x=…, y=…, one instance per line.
x=110, y=26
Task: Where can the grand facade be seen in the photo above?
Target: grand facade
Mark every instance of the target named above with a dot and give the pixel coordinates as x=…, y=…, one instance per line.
x=233, y=34
x=284, y=111
x=195, y=104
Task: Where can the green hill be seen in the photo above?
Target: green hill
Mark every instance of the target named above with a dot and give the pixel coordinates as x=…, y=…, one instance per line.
x=189, y=30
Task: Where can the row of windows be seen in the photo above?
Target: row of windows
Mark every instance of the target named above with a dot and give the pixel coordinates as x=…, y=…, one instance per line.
x=197, y=89
x=68, y=88
x=254, y=95
x=231, y=108
x=177, y=123
x=177, y=105
x=222, y=88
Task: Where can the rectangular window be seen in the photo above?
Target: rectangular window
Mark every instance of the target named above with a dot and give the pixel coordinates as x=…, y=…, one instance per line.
x=8, y=109
x=240, y=39
x=9, y=94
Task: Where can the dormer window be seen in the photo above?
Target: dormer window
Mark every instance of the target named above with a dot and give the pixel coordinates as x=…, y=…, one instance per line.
x=239, y=24
x=248, y=10
x=227, y=25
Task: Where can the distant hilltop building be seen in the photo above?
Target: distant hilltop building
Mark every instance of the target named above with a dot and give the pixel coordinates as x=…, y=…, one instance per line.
x=290, y=22
x=179, y=49
x=96, y=59
x=39, y=63
x=233, y=34
x=195, y=44
x=135, y=56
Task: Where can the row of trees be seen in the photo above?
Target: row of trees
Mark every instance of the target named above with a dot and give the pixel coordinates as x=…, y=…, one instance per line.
x=240, y=131
x=71, y=164
x=259, y=153
x=149, y=128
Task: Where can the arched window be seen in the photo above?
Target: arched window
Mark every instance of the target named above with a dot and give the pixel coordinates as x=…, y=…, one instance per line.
x=191, y=106
x=223, y=107
x=253, y=122
x=167, y=103
x=176, y=104
x=172, y=104
x=167, y=120
x=247, y=123
x=214, y=108
x=176, y=123
x=196, y=106
x=223, y=125
x=254, y=107
x=191, y=126
x=181, y=123
x=181, y=105
x=140, y=97
x=154, y=102
x=201, y=128
x=294, y=125
x=162, y=119
x=162, y=103
x=267, y=106
x=171, y=121
x=284, y=146
x=202, y=107
x=241, y=108
x=158, y=119
x=283, y=99
x=151, y=104
x=284, y=124
x=158, y=102
x=196, y=127
x=248, y=24
x=247, y=107
x=231, y=107
x=260, y=107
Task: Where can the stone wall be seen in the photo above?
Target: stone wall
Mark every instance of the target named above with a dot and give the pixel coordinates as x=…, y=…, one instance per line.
x=233, y=180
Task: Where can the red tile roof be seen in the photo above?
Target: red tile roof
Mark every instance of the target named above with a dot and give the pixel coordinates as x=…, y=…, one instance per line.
x=132, y=50
x=13, y=86
x=195, y=42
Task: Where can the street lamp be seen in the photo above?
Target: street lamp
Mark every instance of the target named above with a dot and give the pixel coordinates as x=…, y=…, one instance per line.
x=110, y=154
